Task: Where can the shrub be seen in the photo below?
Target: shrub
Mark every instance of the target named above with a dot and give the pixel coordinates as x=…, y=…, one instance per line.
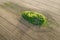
x=34, y=17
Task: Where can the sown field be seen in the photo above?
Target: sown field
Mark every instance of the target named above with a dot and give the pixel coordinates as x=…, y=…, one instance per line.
x=14, y=27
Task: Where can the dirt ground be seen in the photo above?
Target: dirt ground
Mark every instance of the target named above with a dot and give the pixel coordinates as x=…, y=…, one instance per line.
x=14, y=27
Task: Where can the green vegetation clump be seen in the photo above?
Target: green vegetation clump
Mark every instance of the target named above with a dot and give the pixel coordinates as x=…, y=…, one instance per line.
x=34, y=17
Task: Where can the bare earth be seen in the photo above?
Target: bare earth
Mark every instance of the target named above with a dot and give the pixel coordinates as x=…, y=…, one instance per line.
x=14, y=27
